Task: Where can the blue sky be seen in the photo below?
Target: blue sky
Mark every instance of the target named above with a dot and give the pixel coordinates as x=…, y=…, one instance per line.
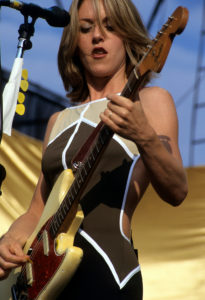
x=177, y=76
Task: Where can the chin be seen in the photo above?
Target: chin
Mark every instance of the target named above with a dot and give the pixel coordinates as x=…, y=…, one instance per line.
x=100, y=72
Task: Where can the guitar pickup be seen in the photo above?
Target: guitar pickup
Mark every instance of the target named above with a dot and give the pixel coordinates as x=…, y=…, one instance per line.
x=29, y=273
x=45, y=243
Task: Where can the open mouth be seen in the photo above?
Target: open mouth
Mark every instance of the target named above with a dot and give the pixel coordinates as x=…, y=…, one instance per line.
x=99, y=52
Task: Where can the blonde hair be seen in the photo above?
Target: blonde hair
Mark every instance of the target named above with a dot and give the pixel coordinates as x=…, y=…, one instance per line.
x=127, y=23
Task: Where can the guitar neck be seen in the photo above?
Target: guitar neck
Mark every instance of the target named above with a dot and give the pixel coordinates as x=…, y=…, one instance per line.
x=133, y=85
x=84, y=168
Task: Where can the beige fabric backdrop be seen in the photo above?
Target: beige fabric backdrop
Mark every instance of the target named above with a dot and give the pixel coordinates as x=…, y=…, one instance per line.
x=171, y=241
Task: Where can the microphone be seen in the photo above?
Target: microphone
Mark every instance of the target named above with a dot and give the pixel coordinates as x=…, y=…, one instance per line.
x=54, y=15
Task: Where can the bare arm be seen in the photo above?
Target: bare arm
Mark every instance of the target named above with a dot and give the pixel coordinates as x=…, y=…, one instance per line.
x=11, y=244
x=152, y=124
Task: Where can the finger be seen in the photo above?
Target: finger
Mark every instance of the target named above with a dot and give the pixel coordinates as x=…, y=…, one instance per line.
x=16, y=250
x=4, y=274
x=116, y=119
x=107, y=114
x=117, y=100
x=106, y=117
x=18, y=259
x=121, y=111
x=7, y=265
x=13, y=255
x=109, y=120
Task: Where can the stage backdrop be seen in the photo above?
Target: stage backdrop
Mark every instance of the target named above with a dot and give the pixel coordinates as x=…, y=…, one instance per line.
x=171, y=240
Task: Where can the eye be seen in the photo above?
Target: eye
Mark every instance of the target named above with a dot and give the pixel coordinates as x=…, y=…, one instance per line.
x=85, y=29
x=109, y=27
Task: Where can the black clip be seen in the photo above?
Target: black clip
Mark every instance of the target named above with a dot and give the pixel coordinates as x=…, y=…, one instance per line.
x=2, y=176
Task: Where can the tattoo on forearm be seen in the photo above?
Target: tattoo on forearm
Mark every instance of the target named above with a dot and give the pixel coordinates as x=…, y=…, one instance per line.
x=166, y=142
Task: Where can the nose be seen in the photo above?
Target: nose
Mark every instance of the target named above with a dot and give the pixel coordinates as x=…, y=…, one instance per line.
x=98, y=35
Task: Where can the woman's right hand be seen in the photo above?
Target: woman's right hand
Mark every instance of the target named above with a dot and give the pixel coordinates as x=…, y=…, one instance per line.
x=11, y=255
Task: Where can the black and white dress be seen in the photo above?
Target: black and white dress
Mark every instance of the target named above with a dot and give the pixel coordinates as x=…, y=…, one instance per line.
x=110, y=265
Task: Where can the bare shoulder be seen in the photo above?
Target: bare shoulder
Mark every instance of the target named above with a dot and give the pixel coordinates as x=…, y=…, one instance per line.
x=53, y=119
x=50, y=125
x=157, y=102
x=159, y=108
x=154, y=95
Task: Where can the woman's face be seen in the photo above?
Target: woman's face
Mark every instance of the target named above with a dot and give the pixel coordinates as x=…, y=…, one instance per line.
x=101, y=53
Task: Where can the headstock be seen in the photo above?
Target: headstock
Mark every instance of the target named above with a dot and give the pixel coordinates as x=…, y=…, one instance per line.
x=157, y=53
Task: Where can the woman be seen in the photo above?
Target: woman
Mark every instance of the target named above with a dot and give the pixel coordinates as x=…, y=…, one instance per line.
x=98, y=49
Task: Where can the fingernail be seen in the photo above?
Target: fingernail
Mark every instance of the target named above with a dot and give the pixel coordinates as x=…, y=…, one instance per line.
x=29, y=260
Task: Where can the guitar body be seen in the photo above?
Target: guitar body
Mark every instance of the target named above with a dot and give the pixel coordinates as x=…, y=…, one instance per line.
x=58, y=256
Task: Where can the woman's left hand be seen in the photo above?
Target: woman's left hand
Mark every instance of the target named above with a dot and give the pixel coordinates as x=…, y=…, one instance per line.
x=126, y=118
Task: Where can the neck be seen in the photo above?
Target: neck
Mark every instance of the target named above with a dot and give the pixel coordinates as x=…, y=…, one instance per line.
x=102, y=86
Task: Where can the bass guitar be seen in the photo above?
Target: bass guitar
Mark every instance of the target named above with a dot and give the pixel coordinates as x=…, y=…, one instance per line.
x=53, y=257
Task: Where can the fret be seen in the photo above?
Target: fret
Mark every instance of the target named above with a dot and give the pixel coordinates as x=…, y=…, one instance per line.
x=100, y=142
x=133, y=79
x=81, y=174
x=87, y=163
x=75, y=188
x=76, y=184
x=60, y=215
x=79, y=179
x=54, y=225
x=104, y=137
x=95, y=152
x=91, y=159
x=83, y=170
x=101, y=139
x=136, y=75
x=128, y=86
x=132, y=85
x=64, y=207
x=69, y=200
x=97, y=147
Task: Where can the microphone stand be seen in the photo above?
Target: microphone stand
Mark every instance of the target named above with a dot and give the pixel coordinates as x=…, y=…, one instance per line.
x=26, y=30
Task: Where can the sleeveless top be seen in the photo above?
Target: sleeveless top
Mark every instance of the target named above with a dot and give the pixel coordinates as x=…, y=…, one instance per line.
x=105, y=196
